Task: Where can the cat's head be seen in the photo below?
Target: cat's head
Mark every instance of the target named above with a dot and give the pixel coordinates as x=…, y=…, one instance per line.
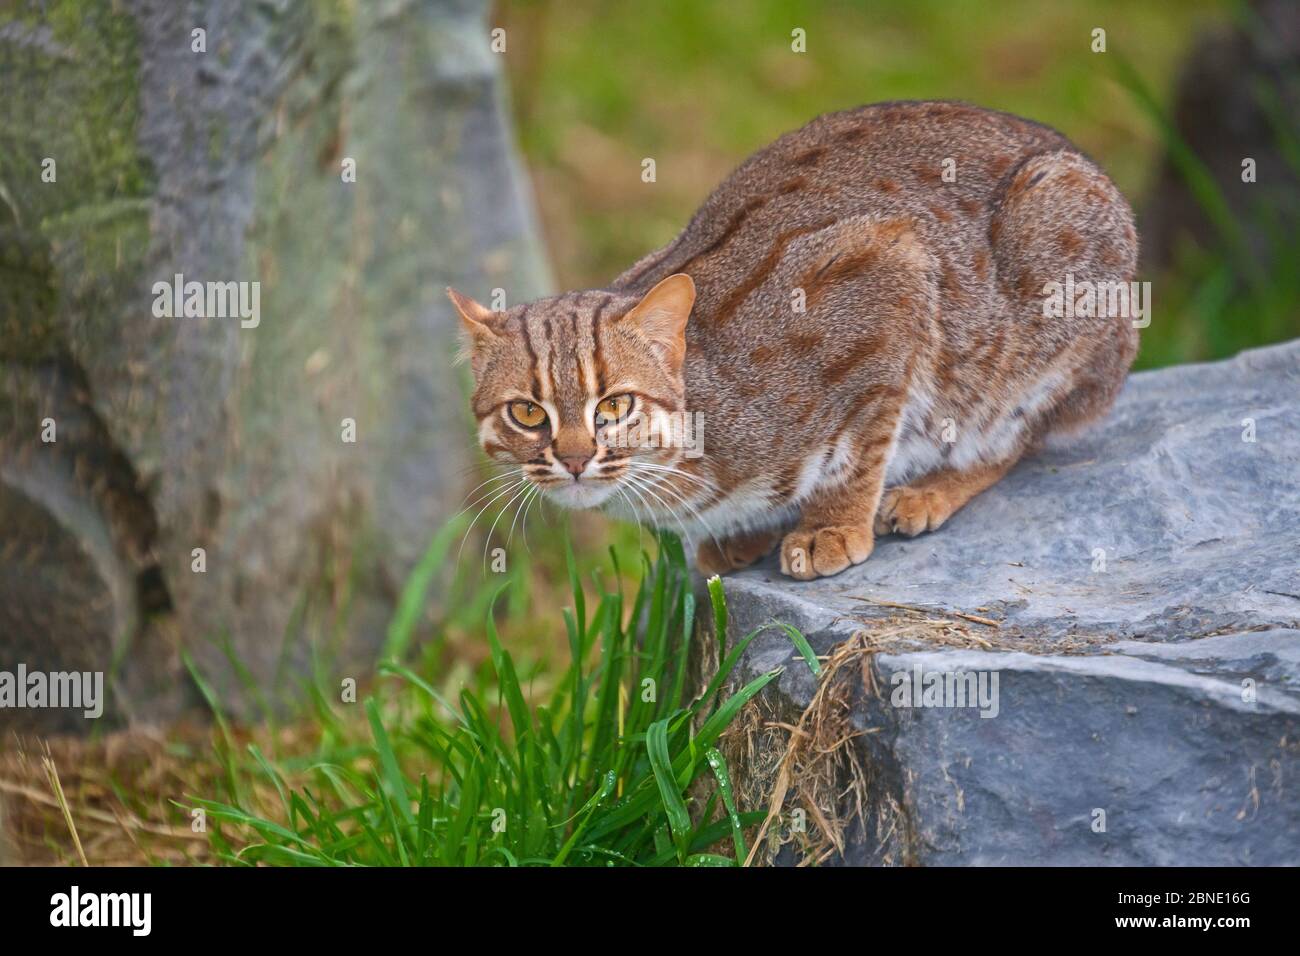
x=581, y=390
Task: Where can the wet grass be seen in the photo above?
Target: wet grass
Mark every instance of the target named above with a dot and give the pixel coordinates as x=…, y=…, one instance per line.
x=618, y=765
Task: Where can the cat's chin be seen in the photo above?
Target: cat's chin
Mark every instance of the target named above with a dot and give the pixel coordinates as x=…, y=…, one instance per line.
x=581, y=494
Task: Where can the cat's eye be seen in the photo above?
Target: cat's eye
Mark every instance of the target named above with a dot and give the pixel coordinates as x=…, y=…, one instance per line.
x=527, y=414
x=613, y=408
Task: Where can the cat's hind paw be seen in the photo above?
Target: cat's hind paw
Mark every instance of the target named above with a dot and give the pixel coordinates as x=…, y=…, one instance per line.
x=733, y=553
x=821, y=552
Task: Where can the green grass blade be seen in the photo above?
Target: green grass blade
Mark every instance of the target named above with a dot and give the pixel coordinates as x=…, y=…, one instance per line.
x=805, y=649
x=392, y=779
x=412, y=601
x=718, y=764
x=679, y=821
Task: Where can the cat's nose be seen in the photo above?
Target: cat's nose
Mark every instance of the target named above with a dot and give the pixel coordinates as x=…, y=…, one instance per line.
x=574, y=464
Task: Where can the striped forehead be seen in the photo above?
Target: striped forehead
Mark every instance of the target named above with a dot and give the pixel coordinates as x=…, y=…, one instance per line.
x=564, y=350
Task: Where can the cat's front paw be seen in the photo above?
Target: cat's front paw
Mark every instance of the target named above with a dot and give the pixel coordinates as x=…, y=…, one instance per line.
x=910, y=511
x=730, y=554
x=808, y=553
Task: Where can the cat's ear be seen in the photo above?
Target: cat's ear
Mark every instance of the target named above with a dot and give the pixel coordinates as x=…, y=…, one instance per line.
x=661, y=317
x=475, y=319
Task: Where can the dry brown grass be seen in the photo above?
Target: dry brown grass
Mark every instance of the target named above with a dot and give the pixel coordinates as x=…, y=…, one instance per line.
x=817, y=760
x=116, y=794
x=812, y=763
x=68, y=801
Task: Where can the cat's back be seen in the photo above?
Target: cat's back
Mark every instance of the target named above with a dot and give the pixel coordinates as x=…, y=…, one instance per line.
x=935, y=164
x=890, y=156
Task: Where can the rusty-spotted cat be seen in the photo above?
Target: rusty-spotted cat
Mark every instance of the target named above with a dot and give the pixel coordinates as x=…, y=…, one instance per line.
x=855, y=315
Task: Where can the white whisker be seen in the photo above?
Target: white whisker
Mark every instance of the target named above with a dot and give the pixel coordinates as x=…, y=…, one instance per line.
x=640, y=522
x=674, y=470
x=487, y=541
x=516, y=474
x=644, y=484
x=498, y=493
x=532, y=492
x=662, y=485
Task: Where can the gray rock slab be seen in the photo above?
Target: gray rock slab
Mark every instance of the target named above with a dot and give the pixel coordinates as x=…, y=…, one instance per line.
x=1145, y=577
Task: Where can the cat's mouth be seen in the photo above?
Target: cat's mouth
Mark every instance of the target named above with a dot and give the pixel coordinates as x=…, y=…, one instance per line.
x=584, y=493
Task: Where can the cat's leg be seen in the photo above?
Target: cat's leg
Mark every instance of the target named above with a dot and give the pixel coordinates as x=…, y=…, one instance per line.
x=835, y=527
x=925, y=503
x=1057, y=219
x=930, y=501
x=1097, y=383
x=879, y=269
x=734, y=552
x=1060, y=219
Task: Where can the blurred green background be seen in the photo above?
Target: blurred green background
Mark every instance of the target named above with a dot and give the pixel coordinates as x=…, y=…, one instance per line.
x=599, y=86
